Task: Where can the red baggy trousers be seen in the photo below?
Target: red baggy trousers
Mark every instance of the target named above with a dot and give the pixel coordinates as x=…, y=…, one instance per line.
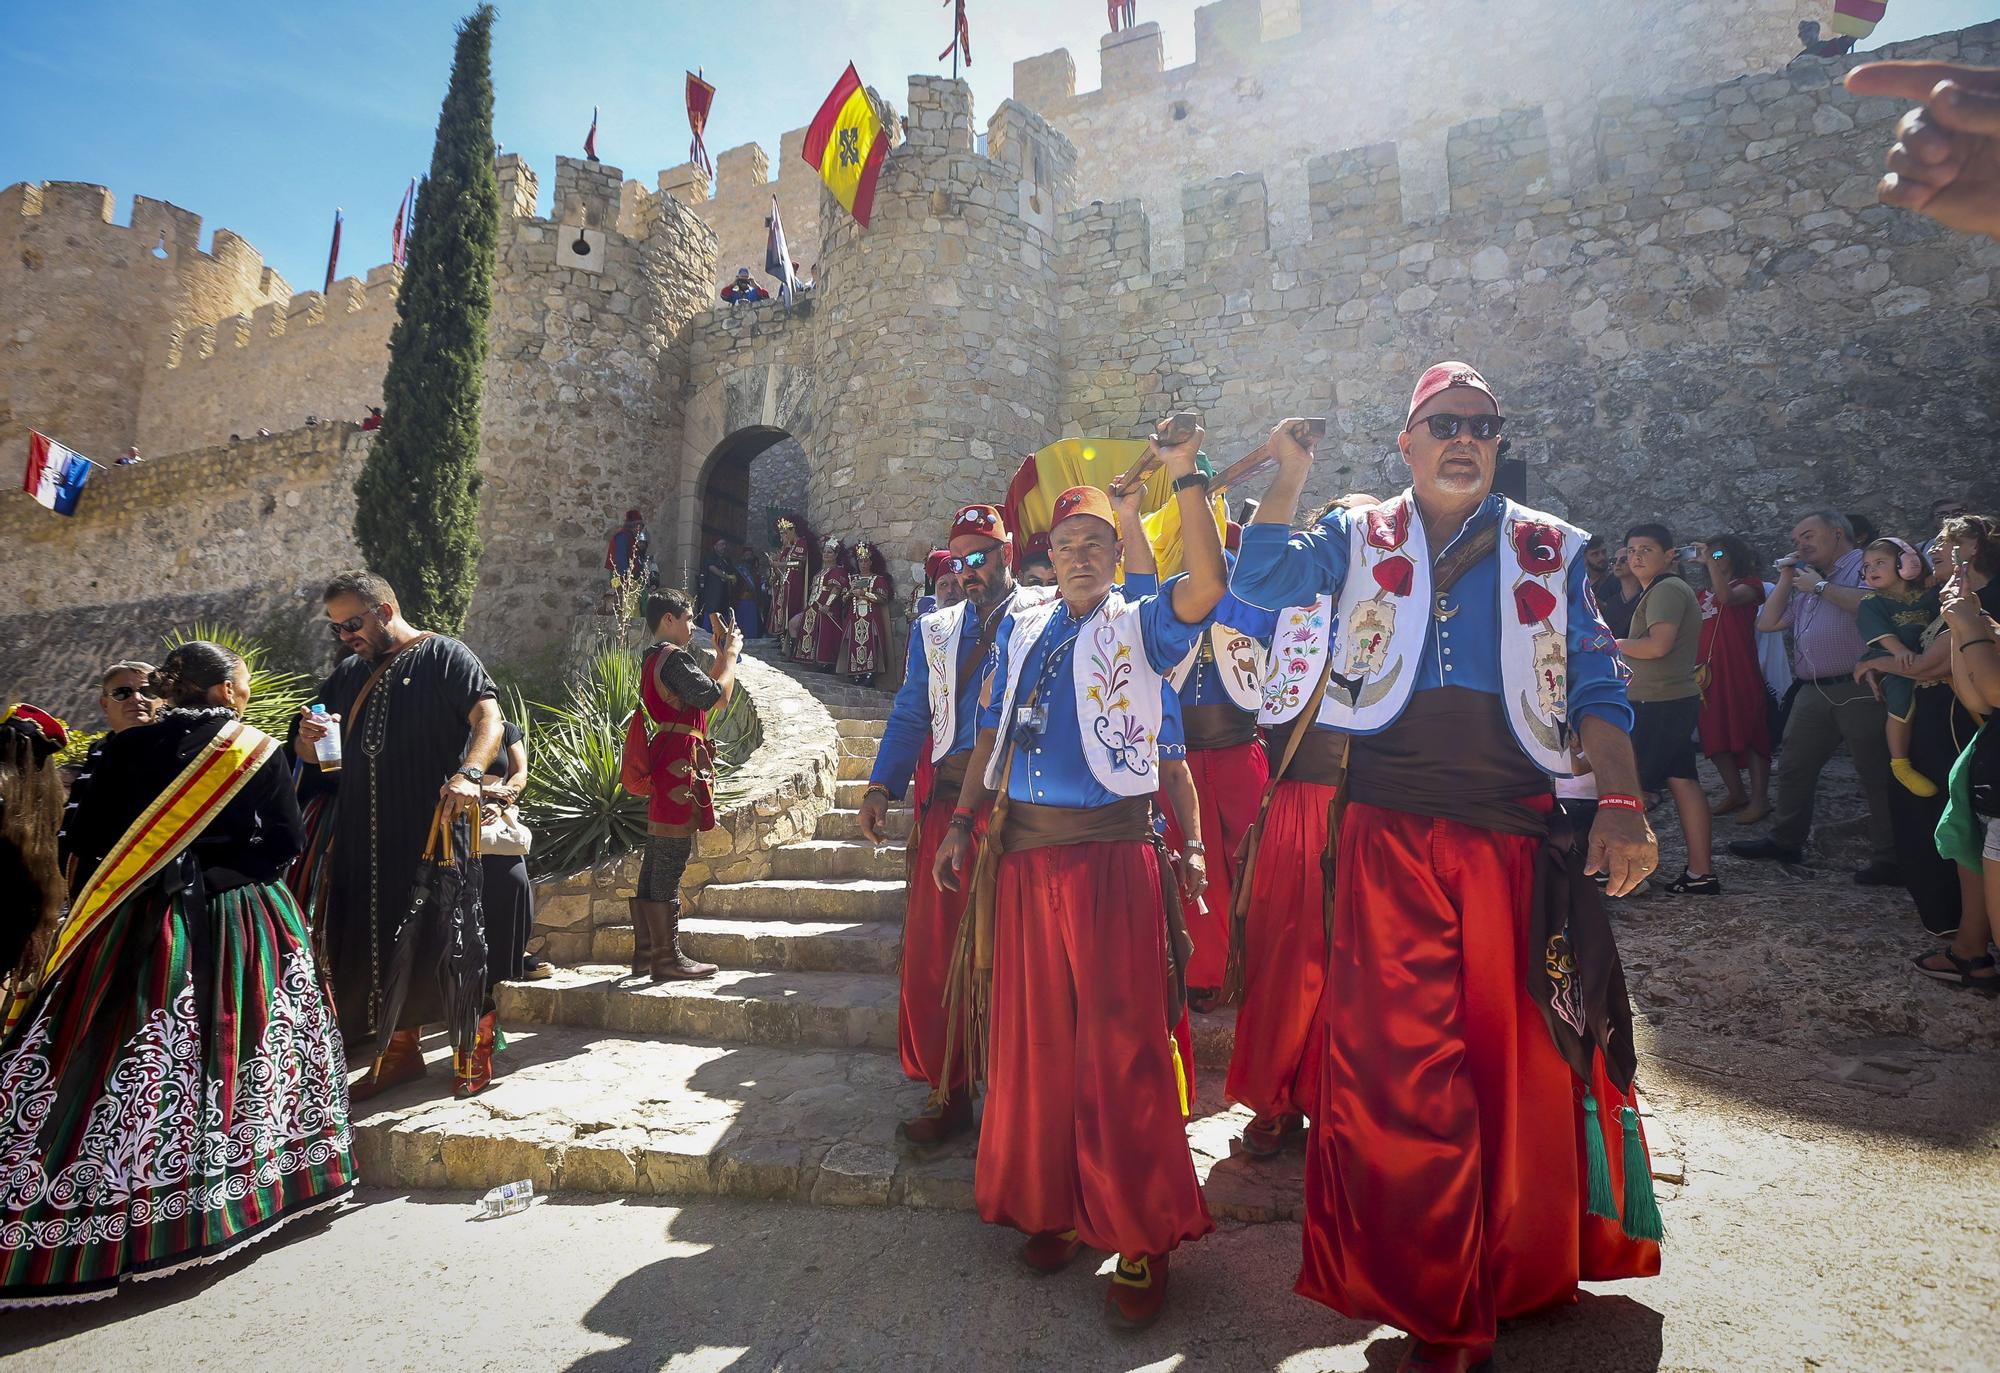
x=1083, y=1127
x=1445, y=1178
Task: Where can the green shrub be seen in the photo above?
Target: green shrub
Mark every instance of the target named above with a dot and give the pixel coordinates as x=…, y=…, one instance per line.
x=276, y=693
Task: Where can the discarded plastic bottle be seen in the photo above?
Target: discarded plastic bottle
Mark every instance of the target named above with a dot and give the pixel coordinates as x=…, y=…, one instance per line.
x=507, y=1198
x=328, y=749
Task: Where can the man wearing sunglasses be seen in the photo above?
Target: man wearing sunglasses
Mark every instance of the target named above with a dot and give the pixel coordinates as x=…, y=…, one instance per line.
x=1453, y=643
x=420, y=724
x=950, y=658
x=125, y=694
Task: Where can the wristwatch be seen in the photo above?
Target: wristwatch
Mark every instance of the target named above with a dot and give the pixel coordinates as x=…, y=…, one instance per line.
x=472, y=775
x=1200, y=479
x=1819, y=587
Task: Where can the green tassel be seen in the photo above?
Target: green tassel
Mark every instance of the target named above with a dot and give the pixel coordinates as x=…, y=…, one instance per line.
x=1642, y=1208
x=1601, y=1203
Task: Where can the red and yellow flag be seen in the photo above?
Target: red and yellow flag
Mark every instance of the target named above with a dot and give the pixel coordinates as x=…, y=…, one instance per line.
x=846, y=145
x=1857, y=18
x=1046, y=474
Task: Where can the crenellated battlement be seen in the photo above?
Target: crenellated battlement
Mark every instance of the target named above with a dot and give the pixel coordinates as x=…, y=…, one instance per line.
x=354, y=302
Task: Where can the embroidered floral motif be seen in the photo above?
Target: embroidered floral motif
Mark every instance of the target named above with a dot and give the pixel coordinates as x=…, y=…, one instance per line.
x=1292, y=669
x=1109, y=689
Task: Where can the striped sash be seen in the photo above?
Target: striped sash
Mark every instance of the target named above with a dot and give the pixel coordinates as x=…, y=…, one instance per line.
x=174, y=820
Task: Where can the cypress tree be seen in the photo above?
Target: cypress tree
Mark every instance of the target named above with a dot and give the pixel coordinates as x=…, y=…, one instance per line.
x=417, y=520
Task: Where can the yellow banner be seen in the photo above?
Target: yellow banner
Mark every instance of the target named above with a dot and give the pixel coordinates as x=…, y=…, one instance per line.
x=1097, y=462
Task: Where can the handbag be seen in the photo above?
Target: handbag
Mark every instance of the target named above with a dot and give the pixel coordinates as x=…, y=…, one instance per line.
x=504, y=833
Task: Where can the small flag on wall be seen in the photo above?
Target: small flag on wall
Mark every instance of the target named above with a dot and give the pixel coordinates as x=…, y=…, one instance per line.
x=777, y=257
x=590, y=139
x=1857, y=19
x=846, y=145
x=55, y=475
x=399, y=237
x=332, y=256
x=700, y=96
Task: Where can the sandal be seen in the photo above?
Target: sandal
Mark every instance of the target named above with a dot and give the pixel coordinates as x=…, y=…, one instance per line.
x=1962, y=972
x=1729, y=805
x=1760, y=811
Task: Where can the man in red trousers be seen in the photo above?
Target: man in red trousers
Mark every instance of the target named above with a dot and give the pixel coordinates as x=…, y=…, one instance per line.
x=1471, y=1062
x=935, y=717
x=1083, y=1141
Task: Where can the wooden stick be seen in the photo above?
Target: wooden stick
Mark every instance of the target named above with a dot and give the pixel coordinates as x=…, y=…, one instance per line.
x=1176, y=428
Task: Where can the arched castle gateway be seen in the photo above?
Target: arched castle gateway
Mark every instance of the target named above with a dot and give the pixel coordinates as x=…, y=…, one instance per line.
x=1687, y=294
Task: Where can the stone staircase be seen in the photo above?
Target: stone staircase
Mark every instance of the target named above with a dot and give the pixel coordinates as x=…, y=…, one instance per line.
x=777, y=1078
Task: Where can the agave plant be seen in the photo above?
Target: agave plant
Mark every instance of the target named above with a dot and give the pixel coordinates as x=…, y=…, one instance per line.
x=276, y=693
x=579, y=811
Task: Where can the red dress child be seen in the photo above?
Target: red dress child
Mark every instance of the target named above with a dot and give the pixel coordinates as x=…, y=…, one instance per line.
x=1733, y=716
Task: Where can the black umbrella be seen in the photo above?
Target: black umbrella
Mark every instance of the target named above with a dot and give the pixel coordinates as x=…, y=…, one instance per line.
x=444, y=930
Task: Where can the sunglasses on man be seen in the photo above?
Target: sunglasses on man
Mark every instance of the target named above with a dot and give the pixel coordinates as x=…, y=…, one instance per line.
x=969, y=562
x=1485, y=428
x=126, y=693
x=349, y=626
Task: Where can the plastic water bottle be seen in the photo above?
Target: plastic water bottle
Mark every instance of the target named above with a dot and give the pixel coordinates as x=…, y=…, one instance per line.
x=328, y=749
x=507, y=1198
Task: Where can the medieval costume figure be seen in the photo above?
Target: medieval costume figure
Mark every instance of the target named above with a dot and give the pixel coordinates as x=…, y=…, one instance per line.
x=869, y=592
x=930, y=734
x=793, y=575
x=1469, y=1073
x=749, y=593
x=1083, y=1142
x=1219, y=685
x=172, y=1084
x=675, y=696
x=824, y=632
x=419, y=718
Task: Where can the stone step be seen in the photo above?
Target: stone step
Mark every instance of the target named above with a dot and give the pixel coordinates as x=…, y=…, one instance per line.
x=826, y=946
x=801, y=899
x=739, y=1005
x=863, y=727
x=860, y=713
x=838, y=859
x=856, y=767
x=846, y=824
x=848, y=791
x=856, y=747
x=580, y=1112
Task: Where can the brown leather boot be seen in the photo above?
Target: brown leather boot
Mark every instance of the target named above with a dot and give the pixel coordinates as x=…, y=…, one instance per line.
x=948, y=1122
x=669, y=963
x=642, y=939
x=402, y=1061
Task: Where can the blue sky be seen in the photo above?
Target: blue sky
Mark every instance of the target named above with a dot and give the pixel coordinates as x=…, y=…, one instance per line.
x=263, y=117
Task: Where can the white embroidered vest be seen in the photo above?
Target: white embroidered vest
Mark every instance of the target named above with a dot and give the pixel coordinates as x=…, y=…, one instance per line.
x=940, y=631
x=1118, y=699
x=1240, y=661
x=1376, y=633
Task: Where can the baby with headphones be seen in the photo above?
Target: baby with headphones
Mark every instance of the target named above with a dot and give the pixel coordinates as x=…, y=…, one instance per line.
x=1892, y=619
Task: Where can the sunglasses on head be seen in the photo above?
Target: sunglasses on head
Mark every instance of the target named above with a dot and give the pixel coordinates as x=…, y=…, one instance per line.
x=1485, y=428
x=126, y=693
x=969, y=561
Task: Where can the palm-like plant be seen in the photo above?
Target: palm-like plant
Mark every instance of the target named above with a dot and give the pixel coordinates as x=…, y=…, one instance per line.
x=276, y=693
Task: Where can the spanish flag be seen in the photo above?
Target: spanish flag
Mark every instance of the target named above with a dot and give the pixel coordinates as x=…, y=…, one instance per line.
x=1857, y=19
x=1046, y=474
x=845, y=144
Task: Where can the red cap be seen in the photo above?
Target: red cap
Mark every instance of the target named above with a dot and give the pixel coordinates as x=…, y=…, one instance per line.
x=1232, y=537
x=1083, y=500
x=979, y=521
x=1443, y=376
x=1037, y=546
x=632, y=514
x=935, y=564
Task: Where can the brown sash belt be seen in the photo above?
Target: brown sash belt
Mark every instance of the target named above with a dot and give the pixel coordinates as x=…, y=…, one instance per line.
x=1217, y=727
x=1127, y=821
x=949, y=777
x=1321, y=758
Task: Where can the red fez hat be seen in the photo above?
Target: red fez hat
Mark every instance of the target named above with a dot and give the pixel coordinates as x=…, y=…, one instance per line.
x=980, y=521
x=632, y=514
x=1083, y=500
x=935, y=565
x=1443, y=376
x=1037, y=546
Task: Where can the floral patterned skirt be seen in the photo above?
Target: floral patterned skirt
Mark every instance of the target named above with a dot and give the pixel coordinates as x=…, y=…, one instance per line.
x=178, y=1091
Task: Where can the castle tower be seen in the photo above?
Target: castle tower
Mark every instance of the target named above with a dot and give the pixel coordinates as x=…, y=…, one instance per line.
x=584, y=388
x=937, y=349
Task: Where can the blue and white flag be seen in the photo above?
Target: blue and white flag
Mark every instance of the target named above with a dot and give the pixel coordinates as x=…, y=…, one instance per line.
x=778, y=259
x=55, y=475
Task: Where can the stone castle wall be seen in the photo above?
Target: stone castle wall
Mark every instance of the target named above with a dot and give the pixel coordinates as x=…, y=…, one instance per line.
x=89, y=308
x=1275, y=83
x=1719, y=327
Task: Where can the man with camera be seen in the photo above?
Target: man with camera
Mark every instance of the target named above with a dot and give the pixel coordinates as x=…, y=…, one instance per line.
x=1819, y=589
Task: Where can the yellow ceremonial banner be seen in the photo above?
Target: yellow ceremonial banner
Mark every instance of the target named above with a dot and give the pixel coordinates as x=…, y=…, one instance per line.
x=1098, y=462
x=845, y=145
